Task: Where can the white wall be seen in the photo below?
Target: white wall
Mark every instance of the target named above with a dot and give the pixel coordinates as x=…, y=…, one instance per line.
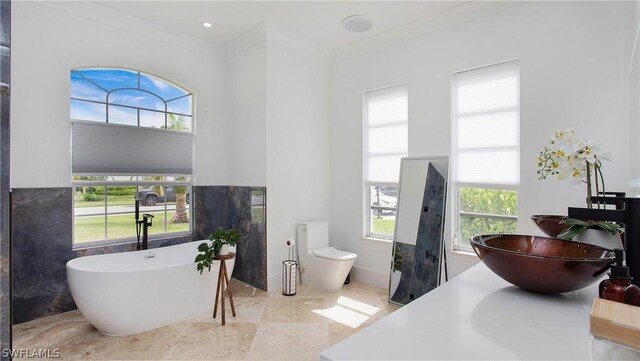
x=50, y=39
x=633, y=99
x=247, y=102
x=572, y=75
x=278, y=131
x=297, y=142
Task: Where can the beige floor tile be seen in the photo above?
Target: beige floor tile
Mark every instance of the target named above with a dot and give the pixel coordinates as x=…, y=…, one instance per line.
x=275, y=341
x=25, y=331
x=150, y=345
x=294, y=309
x=240, y=289
x=268, y=326
x=212, y=341
x=339, y=332
x=248, y=309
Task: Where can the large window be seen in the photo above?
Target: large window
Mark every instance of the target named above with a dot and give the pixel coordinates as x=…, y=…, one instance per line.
x=385, y=142
x=486, y=151
x=104, y=206
x=131, y=139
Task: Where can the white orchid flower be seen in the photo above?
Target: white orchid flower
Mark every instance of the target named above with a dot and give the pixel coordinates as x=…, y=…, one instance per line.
x=568, y=156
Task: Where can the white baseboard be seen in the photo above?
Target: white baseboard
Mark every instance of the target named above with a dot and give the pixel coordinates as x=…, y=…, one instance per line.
x=369, y=276
x=358, y=273
x=274, y=283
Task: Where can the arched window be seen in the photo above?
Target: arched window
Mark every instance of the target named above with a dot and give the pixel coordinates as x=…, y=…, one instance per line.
x=132, y=138
x=131, y=98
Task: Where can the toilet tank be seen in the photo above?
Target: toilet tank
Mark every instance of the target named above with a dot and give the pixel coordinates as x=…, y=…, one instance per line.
x=313, y=235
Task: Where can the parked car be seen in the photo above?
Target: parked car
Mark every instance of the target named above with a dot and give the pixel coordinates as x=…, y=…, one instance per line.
x=150, y=197
x=386, y=197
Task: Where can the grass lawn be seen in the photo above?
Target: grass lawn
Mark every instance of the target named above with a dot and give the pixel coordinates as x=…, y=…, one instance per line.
x=113, y=201
x=121, y=226
x=383, y=226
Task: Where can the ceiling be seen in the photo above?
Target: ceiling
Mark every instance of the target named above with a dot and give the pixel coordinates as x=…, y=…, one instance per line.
x=316, y=21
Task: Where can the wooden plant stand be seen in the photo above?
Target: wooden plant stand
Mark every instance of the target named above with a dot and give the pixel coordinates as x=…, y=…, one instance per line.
x=223, y=283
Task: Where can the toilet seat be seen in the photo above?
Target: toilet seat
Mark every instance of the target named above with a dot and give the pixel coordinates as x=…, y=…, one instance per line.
x=334, y=254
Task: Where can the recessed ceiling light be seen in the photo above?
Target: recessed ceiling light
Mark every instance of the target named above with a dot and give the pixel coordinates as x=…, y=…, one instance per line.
x=357, y=23
x=207, y=25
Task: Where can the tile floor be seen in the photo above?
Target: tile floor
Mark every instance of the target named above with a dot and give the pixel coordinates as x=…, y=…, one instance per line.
x=268, y=326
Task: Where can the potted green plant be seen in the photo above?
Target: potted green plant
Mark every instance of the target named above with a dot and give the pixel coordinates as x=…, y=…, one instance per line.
x=599, y=233
x=220, y=239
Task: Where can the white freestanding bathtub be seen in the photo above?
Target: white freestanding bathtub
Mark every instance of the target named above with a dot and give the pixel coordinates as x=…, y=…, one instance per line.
x=131, y=292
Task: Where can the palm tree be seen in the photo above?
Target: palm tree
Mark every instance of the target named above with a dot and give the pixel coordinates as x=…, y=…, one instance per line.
x=179, y=123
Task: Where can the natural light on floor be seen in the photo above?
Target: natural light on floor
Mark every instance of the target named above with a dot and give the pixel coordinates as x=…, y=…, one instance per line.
x=349, y=312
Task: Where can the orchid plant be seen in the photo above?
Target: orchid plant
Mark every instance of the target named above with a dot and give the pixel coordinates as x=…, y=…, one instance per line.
x=568, y=156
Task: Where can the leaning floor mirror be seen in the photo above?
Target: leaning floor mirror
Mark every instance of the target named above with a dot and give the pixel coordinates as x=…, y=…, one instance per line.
x=418, y=243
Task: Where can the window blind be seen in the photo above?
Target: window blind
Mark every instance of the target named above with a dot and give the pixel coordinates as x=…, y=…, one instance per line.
x=385, y=133
x=486, y=108
x=101, y=148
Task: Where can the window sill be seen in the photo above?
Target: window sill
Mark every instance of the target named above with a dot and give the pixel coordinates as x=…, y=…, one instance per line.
x=115, y=243
x=464, y=253
x=374, y=239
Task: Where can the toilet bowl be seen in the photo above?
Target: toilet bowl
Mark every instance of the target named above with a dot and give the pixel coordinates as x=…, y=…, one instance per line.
x=324, y=267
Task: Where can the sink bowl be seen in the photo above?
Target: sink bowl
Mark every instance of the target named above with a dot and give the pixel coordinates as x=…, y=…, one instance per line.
x=550, y=224
x=541, y=264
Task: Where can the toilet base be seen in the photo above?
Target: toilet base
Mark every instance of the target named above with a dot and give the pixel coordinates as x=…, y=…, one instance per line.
x=324, y=274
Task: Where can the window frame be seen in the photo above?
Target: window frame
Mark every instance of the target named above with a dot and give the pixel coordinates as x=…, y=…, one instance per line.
x=456, y=186
x=459, y=214
x=139, y=74
x=105, y=214
x=369, y=230
x=368, y=208
x=139, y=181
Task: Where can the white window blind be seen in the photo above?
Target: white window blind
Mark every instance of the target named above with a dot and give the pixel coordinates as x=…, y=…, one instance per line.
x=102, y=148
x=385, y=135
x=486, y=108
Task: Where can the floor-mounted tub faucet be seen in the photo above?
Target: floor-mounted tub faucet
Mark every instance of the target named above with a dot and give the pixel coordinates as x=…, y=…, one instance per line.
x=142, y=226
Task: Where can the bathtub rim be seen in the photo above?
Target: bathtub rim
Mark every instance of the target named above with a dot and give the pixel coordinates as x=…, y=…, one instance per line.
x=70, y=266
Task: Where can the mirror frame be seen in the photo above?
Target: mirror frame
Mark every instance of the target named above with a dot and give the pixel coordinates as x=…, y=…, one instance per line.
x=444, y=211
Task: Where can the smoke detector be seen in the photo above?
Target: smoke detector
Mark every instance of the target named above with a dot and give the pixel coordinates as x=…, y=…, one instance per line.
x=357, y=23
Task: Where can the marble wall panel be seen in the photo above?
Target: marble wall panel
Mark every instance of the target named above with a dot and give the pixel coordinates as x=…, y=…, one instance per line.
x=5, y=235
x=243, y=208
x=42, y=234
x=42, y=245
x=42, y=242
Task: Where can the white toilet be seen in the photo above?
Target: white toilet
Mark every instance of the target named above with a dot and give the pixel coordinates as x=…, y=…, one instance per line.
x=324, y=267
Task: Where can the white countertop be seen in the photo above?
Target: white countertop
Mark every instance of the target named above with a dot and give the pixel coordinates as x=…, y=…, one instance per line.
x=478, y=315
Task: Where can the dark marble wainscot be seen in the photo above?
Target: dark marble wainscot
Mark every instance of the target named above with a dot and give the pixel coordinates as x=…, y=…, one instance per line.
x=42, y=238
x=5, y=236
x=42, y=245
x=243, y=208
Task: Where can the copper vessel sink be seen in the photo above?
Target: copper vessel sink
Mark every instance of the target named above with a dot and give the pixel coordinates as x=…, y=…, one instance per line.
x=541, y=264
x=550, y=224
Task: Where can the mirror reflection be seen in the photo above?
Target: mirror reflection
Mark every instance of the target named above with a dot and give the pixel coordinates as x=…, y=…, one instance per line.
x=419, y=233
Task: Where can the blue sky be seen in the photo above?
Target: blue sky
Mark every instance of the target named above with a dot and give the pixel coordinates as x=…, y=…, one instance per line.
x=110, y=79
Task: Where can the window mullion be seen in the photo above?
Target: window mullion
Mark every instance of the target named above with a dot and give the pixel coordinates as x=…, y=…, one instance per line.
x=106, y=213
